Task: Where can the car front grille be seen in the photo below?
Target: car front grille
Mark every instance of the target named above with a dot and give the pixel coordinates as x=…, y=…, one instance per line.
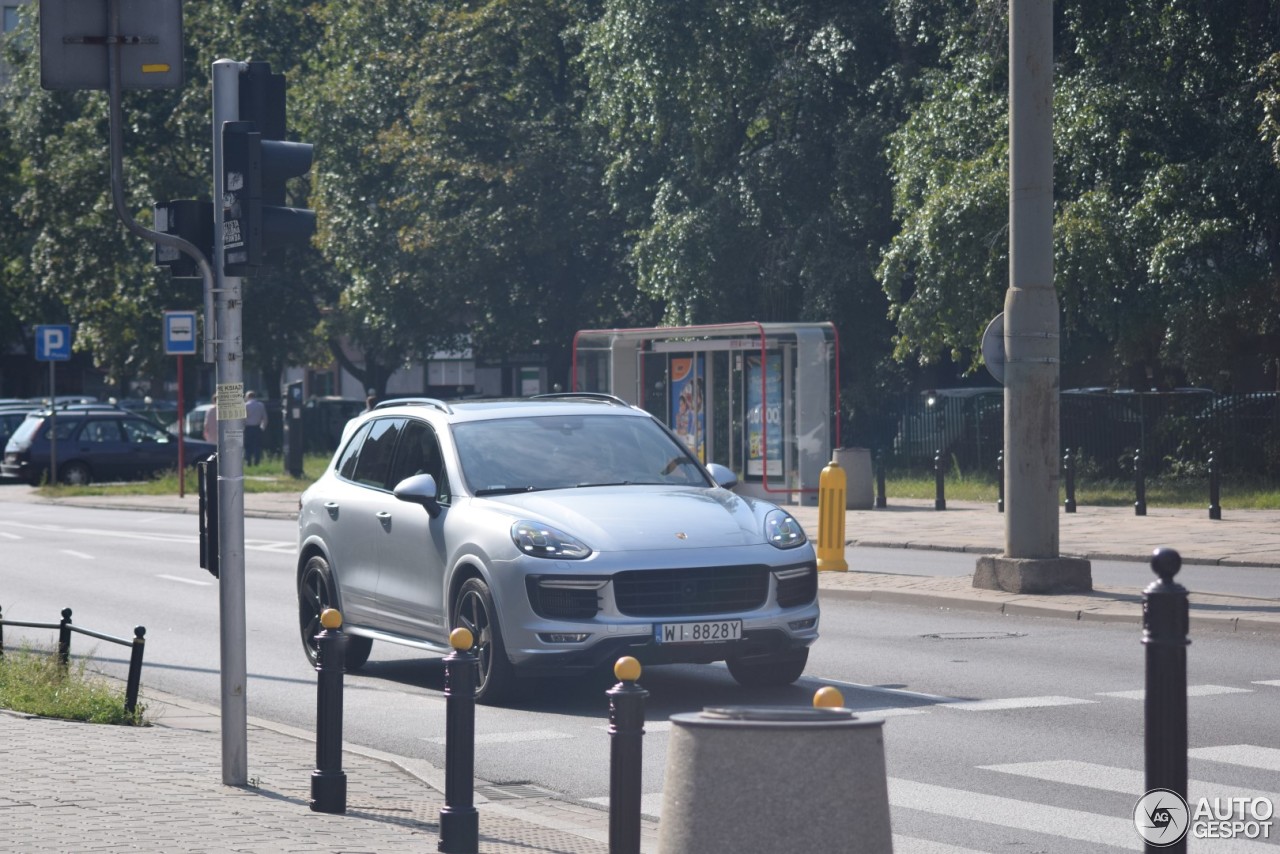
x=690, y=592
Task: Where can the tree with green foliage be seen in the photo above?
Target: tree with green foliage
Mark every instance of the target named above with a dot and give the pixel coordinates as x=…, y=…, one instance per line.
x=1166, y=228
x=459, y=190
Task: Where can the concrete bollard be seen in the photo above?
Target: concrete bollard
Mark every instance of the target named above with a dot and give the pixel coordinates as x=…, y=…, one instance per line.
x=726, y=766
x=329, y=781
x=831, y=519
x=626, y=746
x=459, y=819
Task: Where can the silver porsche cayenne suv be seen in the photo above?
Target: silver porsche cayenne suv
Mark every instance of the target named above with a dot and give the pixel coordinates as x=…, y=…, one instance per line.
x=564, y=530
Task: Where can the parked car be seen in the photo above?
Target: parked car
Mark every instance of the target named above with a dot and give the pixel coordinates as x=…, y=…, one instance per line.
x=563, y=530
x=94, y=442
x=10, y=417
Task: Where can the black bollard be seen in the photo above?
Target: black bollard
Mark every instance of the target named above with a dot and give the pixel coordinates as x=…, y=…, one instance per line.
x=939, y=491
x=1069, y=471
x=459, y=820
x=1165, y=624
x=1140, y=486
x=1215, y=486
x=329, y=781
x=626, y=741
x=135, y=669
x=64, y=639
x=1000, y=481
x=881, y=500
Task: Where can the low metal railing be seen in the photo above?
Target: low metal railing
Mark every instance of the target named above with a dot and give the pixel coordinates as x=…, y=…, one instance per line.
x=66, y=628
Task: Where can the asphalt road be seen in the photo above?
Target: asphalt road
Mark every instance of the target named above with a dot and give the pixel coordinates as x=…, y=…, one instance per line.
x=1030, y=727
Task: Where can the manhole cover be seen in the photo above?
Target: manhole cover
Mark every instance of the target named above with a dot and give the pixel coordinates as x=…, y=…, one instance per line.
x=974, y=635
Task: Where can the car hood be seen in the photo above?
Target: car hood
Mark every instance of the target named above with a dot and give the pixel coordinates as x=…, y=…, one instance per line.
x=636, y=517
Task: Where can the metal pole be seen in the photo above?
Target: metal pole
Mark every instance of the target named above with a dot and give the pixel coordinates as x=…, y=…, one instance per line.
x=882, y=500
x=626, y=747
x=53, y=429
x=939, y=489
x=1165, y=625
x=1139, y=486
x=182, y=437
x=1031, y=305
x=1069, y=468
x=1215, y=489
x=229, y=400
x=1000, y=482
x=64, y=639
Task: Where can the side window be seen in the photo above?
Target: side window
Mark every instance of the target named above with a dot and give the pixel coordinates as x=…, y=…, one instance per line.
x=141, y=431
x=374, y=463
x=419, y=453
x=347, y=462
x=99, y=432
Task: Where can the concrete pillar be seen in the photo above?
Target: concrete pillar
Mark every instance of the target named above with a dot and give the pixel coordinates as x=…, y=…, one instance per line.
x=1031, y=562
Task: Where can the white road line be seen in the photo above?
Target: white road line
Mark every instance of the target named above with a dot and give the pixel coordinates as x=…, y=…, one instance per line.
x=509, y=737
x=1110, y=779
x=889, y=712
x=649, y=726
x=1248, y=755
x=185, y=580
x=1013, y=813
x=74, y=553
x=1017, y=703
x=879, y=689
x=9, y=536
x=1274, y=683
x=1192, y=691
x=911, y=845
x=277, y=546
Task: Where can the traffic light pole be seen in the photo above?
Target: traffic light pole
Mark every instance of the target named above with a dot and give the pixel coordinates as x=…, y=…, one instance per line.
x=116, y=135
x=229, y=400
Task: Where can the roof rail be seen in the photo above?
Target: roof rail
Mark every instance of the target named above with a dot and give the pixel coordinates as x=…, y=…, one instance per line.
x=415, y=401
x=583, y=395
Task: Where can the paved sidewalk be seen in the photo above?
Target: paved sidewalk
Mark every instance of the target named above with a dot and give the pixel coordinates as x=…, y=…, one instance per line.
x=71, y=787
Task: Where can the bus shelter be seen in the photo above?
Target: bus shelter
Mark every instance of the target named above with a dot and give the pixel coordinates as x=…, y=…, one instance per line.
x=762, y=399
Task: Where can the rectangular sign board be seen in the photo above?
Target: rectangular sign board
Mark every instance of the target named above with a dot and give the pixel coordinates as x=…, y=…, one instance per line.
x=180, y=333
x=53, y=342
x=74, y=37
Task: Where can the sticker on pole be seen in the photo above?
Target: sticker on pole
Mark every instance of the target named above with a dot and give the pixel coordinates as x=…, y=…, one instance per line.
x=230, y=399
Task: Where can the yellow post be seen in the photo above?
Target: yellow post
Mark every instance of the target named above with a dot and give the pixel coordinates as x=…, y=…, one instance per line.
x=831, y=513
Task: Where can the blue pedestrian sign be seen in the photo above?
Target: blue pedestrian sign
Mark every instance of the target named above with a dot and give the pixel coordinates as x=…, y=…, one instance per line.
x=180, y=333
x=53, y=342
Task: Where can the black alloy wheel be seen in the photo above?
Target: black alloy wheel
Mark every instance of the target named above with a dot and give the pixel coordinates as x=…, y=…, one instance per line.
x=473, y=610
x=315, y=594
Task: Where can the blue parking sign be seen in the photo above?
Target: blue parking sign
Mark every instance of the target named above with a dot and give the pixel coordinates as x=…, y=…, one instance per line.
x=53, y=342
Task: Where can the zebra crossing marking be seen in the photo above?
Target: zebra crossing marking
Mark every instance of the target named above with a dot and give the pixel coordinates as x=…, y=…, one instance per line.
x=1016, y=703
x=1192, y=691
x=1248, y=755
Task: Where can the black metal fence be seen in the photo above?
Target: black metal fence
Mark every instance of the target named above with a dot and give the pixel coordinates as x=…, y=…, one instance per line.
x=1174, y=431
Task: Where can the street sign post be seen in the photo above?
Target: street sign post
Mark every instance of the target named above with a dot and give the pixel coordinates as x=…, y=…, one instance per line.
x=75, y=36
x=53, y=344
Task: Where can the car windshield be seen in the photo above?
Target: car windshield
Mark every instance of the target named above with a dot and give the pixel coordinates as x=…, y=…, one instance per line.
x=567, y=451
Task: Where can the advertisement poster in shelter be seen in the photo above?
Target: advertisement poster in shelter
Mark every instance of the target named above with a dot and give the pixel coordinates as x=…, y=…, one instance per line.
x=764, y=444
x=687, y=404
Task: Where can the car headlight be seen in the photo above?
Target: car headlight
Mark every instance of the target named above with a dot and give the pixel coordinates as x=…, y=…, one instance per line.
x=533, y=538
x=782, y=531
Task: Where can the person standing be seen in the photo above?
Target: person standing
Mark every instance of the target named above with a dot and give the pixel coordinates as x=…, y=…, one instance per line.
x=255, y=422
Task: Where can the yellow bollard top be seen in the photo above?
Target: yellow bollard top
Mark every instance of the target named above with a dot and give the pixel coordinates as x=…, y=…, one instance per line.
x=331, y=618
x=827, y=697
x=627, y=669
x=461, y=639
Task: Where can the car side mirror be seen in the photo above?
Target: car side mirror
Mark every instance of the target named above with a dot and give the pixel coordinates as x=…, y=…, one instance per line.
x=420, y=489
x=723, y=475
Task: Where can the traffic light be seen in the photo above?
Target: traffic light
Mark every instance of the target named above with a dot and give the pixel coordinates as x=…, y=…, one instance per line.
x=192, y=220
x=256, y=163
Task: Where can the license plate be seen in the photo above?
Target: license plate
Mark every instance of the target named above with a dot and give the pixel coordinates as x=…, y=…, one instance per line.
x=706, y=631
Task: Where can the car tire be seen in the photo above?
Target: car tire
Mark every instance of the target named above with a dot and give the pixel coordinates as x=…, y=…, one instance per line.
x=316, y=592
x=772, y=671
x=473, y=610
x=75, y=473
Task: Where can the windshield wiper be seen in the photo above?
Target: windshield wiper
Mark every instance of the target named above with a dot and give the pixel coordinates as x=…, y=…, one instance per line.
x=606, y=483
x=508, y=490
